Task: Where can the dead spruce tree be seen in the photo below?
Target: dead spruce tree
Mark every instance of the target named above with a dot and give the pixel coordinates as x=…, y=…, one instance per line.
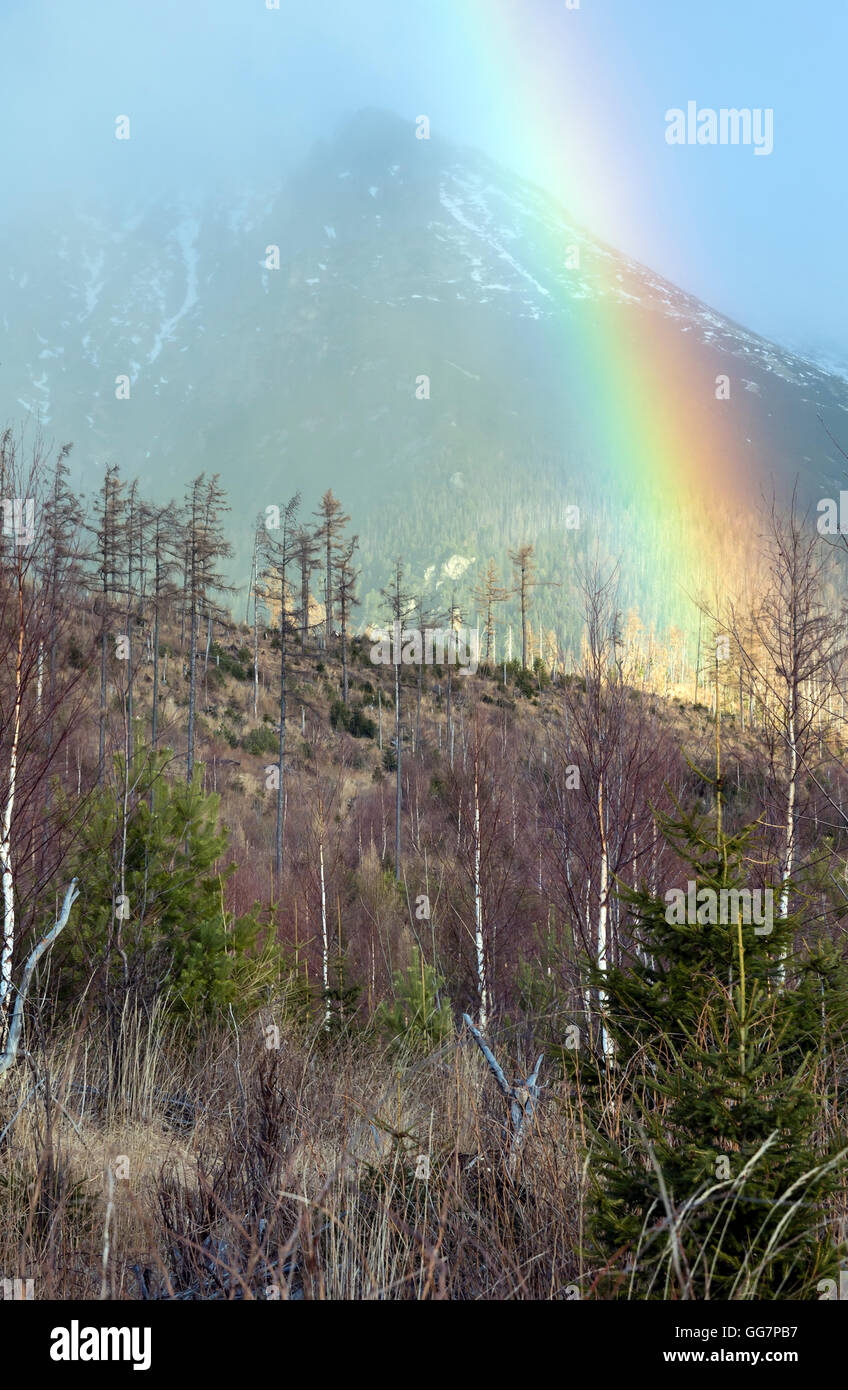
x=278, y=549
x=306, y=544
x=524, y=571
x=253, y=595
x=109, y=564
x=62, y=569
x=163, y=537
x=488, y=594
x=206, y=546
x=346, y=577
x=397, y=602
x=331, y=524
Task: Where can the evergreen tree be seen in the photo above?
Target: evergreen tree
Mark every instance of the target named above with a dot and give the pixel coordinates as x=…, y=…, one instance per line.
x=153, y=870
x=421, y=1014
x=715, y=1182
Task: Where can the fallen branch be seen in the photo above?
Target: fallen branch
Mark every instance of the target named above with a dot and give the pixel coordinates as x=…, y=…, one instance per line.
x=10, y=1053
x=522, y=1096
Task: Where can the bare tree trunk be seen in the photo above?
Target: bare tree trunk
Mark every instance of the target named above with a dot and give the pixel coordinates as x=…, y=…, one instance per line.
x=397, y=779
x=8, y=885
x=192, y=694
x=255, y=638
x=328, y=591
x=154, y=720
x=125, y=800
x=343, y=609
x=304, y=601
x=479, y=942
x=603, y=910
x=789, y=830
x=282, y=744
x=523, y=599
x=101, y=750
x=418, y=710
x=10, y=1051
x=325, y=940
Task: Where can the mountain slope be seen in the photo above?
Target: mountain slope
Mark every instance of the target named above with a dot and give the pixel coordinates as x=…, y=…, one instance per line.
x=398, y=259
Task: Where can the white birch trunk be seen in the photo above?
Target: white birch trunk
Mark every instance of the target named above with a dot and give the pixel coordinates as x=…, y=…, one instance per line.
x=10, y=1051
x=789, y=832
x=603, y=918
x=6, y=877
x=482, y=983
x=325, y=939
x=255, y=639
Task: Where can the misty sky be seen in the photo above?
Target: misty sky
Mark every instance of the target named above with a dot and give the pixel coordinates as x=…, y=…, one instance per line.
x=222, y=91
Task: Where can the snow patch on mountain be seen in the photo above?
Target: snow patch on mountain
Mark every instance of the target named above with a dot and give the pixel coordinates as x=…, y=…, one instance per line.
x=186, y=236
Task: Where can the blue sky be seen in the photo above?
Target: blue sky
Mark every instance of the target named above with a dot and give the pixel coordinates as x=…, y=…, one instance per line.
x=226, y=90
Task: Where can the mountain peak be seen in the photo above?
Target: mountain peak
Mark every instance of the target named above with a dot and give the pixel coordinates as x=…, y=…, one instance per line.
x=374, y=138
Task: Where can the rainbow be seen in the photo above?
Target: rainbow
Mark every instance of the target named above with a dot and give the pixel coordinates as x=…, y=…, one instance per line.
x=655, y=413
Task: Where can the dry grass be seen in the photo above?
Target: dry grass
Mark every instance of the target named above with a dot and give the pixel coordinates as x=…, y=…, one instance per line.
x=312, y=1171
x=321, y=1170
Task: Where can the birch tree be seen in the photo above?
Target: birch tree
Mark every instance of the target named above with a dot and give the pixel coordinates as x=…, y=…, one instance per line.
x=485, y=864
x=18, y=566
x=479, y=939
x=34, y=582
x=325, y=933
x=11, y=1035
x=791, y=645
x=608, y=768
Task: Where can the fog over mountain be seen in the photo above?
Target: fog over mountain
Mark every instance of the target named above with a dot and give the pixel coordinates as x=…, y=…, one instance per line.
x=398, y=258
